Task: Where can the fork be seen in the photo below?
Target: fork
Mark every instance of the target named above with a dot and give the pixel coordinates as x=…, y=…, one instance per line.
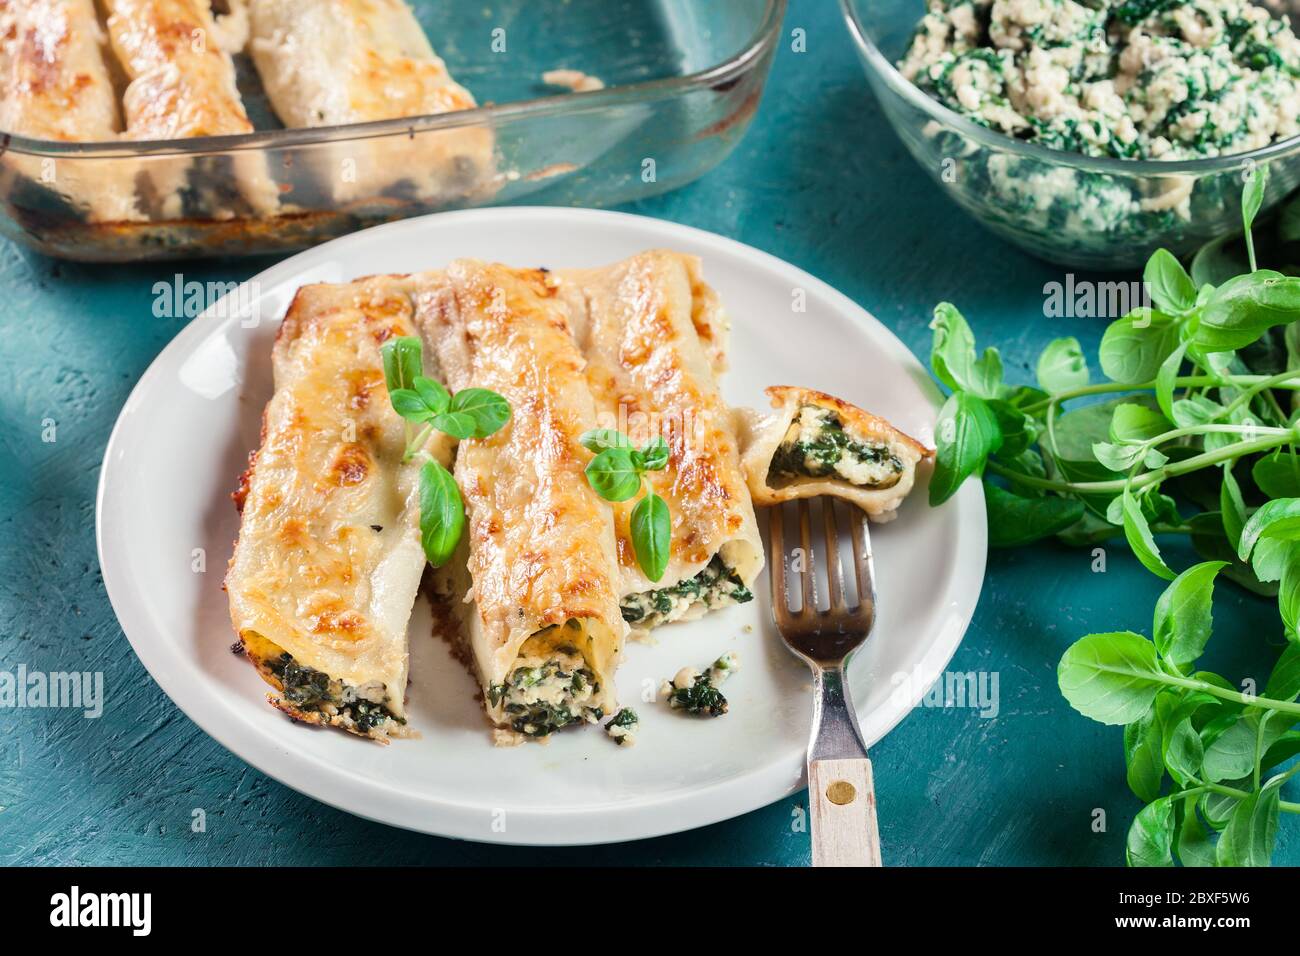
x=841, y=796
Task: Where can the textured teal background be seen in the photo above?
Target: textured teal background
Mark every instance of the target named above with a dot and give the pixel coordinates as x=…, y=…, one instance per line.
x=820, y=181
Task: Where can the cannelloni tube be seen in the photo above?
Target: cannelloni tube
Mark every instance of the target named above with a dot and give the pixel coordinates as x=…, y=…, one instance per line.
x=544, y=626
x=653, y=334
x=334, y=62
x=182, y=85
x=816, y=444
x=329, y=558
x=55, y=84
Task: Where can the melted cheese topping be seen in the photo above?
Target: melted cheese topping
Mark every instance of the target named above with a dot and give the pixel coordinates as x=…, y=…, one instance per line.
x=540, y=542
x=182, y=84
x=653, y=334
x=329, y=557
x=330, y=62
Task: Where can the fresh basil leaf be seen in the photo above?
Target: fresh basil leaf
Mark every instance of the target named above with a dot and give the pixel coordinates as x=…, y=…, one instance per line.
x=965, y=435
x=1245, y=307
x=613, y=475
x=1279, y=518
x=432, y=393
x=1062, y=366
x=1193, y=845
x=1288, y=594
x=655, y=454
x=1018, y=430
x=1134, y=347
x=1252, y=197
x=442, y=513
x=1144, y=765
x=1278, y=474
x=651, y=533
x=952, y=356
x=408, y=403
x=1138, y=534
x=1251, y=833
x=1232, y=506
x=1286, y=747
x=1183, y=618
x=1183, y=753
x=1232, y=755
x=1166, y=380
x=1133, y=422
x=456, y=424
x=1217, y=808
x=1108, y=677
x=1168, y=283
x=1196, y=410
x=1014, y=520
x=1210, y=541
x=1151, y=837
x=486, y=409
x=1118, y=457
x=403, y=362
x=1284, y=682
x=1270, y=557
x=598, y=439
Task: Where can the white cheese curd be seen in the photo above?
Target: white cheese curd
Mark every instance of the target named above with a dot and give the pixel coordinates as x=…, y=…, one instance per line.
x=1132, y=79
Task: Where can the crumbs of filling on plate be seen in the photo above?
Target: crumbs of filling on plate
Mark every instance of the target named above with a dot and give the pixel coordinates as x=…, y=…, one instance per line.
x=1132, y=79
x=697, y=693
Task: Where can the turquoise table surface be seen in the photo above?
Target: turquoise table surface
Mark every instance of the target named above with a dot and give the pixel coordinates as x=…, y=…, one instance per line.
x=820, y=181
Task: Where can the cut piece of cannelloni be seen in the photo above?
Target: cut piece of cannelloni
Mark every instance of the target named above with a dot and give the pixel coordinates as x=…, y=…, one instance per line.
x=544, y=626
x=182, y=85
x=653, y=334
x=336, y=62
x=328, y=560
x=55, y=84
x=816, y=444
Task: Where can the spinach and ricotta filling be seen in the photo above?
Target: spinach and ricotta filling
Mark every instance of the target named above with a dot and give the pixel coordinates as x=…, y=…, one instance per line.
x=548, y=690
x=1131, y=79
x=817, y=446
x=718, y=585
x=697, y=693
x=310, y=690
x=622, y=727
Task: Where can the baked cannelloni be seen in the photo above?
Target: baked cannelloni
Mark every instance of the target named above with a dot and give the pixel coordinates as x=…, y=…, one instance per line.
x=334, y=62
x=815, y=444
x=329, y=555
x=544, y=626
x=55, y=84
x=653, y=333
x=181, y=84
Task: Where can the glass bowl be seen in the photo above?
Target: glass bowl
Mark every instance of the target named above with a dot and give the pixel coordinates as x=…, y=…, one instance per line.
x=1074, y=210
x=682, y=79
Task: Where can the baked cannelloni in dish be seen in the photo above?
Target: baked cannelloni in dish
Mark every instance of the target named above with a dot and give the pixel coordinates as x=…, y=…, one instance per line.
x=55, y=84
x=181, y=84
x=543, y=622
x=334, y=62
x=653, y=334
x=815, y=444
x=329, y=559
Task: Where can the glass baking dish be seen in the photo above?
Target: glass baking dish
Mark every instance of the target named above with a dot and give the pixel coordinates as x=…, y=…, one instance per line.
x=682, y=81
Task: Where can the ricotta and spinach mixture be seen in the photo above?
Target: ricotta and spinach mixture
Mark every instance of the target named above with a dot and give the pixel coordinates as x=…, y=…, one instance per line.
x=1131, y=79
x=549, y=688
x=716, y=586
x=697, y=693
x=817, y=446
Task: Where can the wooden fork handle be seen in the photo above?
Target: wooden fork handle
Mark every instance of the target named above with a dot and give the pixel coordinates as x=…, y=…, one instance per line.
x=842, y=799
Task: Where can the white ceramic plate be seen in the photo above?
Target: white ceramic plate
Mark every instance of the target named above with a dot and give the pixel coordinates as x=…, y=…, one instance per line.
x=184, y=436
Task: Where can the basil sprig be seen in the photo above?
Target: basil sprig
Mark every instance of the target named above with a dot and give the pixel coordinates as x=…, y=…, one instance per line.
x=617, y=473
x=1188, y=438
x=422, y=401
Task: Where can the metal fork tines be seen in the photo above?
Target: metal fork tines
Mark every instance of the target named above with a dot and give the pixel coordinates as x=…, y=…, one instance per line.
x=822, y=636
x=840, y=788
